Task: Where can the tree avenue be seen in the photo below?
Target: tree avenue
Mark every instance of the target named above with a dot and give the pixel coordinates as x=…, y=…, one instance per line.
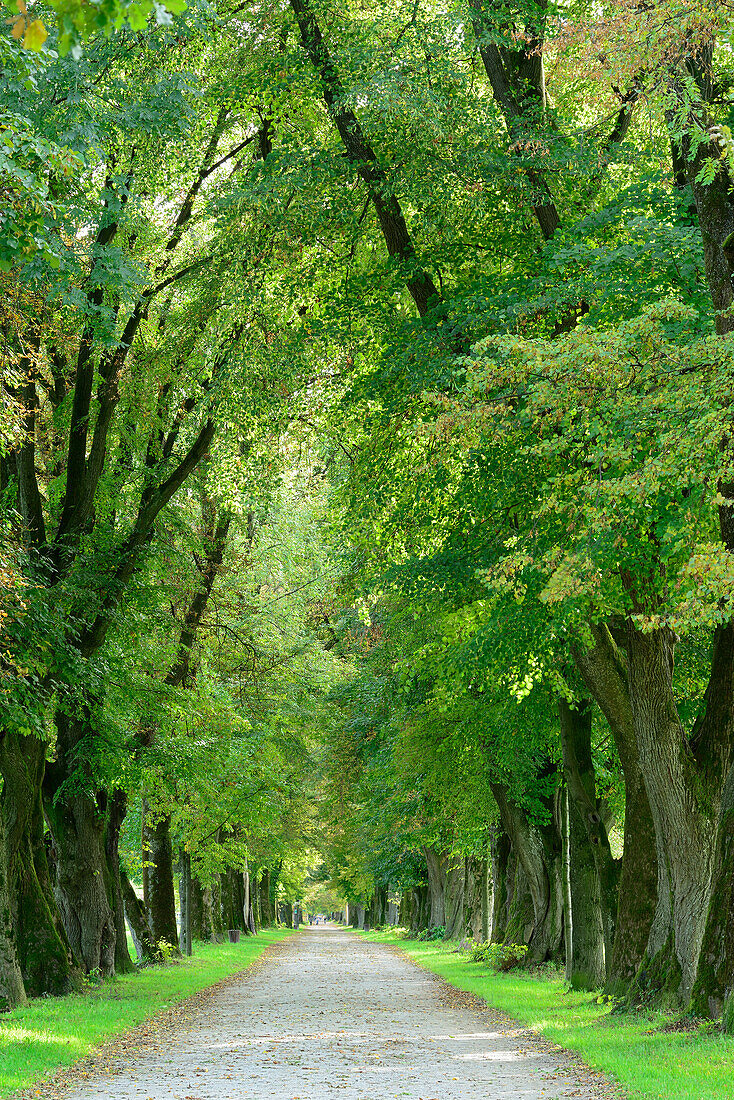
x=367, y=494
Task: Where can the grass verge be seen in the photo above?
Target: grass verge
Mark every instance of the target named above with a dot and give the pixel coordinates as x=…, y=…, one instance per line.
x=633, y=1049
x=54, y=1032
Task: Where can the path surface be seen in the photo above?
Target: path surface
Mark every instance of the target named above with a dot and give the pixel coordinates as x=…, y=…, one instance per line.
x=329, y=1016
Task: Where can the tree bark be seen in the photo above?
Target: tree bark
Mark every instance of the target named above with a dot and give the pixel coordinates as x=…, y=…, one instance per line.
x=158, y=881
x=115, y=818
x=603, y=668
x=43, y=951
x=266, y=905
x=538, y=850
x=137, y=918
x=436, y=863
x=12, y=990
x=715, y=978
x=584, y=926
x=454, y=897
x=587, y=810
x=78, y=821
x=500, y=857
x=685, y=809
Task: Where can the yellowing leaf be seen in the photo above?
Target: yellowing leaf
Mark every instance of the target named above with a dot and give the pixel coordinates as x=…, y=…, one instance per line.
x=18, y=27
x=35, y=36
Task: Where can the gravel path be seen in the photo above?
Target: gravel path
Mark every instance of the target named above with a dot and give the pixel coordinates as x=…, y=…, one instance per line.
x=329, y=1016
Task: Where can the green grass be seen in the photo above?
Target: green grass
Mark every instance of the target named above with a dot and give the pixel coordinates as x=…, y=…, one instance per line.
x=54, y=1032
x=631, y=1048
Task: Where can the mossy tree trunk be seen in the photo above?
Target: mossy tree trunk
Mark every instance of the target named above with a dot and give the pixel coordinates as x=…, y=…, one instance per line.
x=499, y=849
x=12, y=989
x=115, y=817
x=715, y=978
x=78, y=821
x=137, y=918
x=584, y=927
x=436, y=863
x=684, y=778
x=586, y=809
x=538, y=850
x=454, y=896
x=158, y=877
x=604, y=669
x=43, y=951
x=266, y=903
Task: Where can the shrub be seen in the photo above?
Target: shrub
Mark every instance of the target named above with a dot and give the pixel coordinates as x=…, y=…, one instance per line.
x=501, y=956
x=430, y=934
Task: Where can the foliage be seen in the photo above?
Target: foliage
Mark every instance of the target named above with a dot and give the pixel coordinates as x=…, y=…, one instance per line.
x=500, y=956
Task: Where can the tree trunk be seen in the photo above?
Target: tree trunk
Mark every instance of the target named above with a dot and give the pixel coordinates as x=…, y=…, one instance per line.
x=436, y=864
x=475, y=881
x=158, y=882
x=43, y=951
x=499, y=847
x=208, y=922
x=227, y=900
x=266, y=905
x=586, y=809
x=584, y=926
x=454, y=897
x=12, y=990
x=603, y=668
x=77, y=824
x=638, y=888
x=715, y=979
x=197, y=911
x=218, y=925
x=519, y=916
x=248, y=916
x=137, y=918
x=538, y=850
x=115, y=818
x=685, y=812
x=185, y=891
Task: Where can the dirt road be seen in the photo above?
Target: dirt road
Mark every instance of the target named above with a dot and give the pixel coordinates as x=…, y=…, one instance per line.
x=328, y=1016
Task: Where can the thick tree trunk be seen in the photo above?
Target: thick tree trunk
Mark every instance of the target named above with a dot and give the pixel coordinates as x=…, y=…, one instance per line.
x=715, y=978
x=685, y=811
x=12, y=990
x=266, y=905
x=208, y=922
x=78, y=822
x=197, y=911
x=519, y=915
x=454, y=897
x=603, y=668
x=137, y=918
x=248, y=915
x=158, y=882
x=584, y=925
x=43, y=951
x=436, y=864
x=475, y=903
x=638, y=889
x=115, y=818
x=500, y=857
x=586, y=809
x=538, y=850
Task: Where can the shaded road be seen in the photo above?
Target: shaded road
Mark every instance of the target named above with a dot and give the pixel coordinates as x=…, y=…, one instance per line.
x=329, y=1016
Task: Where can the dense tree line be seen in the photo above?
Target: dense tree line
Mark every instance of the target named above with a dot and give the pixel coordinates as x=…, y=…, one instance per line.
x=366, y=480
